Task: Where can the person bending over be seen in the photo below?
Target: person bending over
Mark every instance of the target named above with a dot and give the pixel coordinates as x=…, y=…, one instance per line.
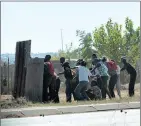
x=84, y=74
x=131, y=70
x=103, y=73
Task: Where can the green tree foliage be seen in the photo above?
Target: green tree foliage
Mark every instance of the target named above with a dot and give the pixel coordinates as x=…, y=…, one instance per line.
x=68, y=53
x=109, y=40
x=132, y=41
x=86, y=44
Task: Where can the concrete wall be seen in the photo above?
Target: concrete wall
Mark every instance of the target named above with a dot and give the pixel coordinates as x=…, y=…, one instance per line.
x=34, y=79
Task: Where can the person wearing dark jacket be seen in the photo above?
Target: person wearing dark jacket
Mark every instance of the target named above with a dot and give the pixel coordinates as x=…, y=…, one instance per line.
x=68, y=76
x=131, y=70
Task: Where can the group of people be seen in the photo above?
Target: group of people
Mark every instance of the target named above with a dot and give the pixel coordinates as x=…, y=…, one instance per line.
x=109, y=68
x=81, y=81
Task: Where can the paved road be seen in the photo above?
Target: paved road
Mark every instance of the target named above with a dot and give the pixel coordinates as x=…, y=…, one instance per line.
x=110, y=118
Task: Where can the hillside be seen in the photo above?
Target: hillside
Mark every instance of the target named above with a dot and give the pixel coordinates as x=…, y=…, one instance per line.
x=4, y=57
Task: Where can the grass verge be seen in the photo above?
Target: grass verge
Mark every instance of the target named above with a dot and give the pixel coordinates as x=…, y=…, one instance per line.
x=22, y=102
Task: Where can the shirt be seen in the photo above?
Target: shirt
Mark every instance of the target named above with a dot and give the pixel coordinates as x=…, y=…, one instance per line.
x=77, y=70
x=84, y=73
x=103, y=70
x=118, y=70
x=51, y=68
x=68, y=73
x=130, y=69
x=96, y=72
x=111, y=73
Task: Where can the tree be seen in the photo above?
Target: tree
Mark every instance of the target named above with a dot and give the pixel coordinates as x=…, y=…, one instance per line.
x=61, y=53
x=108, y=40
x=100, y=41
x=85, y=44
x=76, y=53
x=132, y=41
x=68, y=53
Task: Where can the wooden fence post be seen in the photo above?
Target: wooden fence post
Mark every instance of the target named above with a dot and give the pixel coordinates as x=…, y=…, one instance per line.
x=22, y=56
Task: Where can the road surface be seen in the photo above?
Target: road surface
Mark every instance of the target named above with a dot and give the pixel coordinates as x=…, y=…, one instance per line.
x=107, y=118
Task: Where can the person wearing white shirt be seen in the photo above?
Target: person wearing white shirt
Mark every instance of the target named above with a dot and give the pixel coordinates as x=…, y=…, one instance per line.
x=84, y=74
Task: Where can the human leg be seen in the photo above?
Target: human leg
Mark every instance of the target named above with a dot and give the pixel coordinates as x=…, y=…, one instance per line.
x=118, y=86
x=105, y=90
x=132, y=84
x=83, y=91
x=112, y=83
x=68, y=90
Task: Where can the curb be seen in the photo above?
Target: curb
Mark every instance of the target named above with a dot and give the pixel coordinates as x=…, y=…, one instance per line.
x=57, y=110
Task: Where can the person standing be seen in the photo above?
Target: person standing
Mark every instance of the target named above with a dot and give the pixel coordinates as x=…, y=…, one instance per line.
x=68, y=76
x=118, y=84
x=133, y=74
x=52, y=78
x=112, y=70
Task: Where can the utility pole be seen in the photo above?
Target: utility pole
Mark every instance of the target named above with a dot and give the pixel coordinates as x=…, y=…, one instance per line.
x=62, y=39
x=8, y=75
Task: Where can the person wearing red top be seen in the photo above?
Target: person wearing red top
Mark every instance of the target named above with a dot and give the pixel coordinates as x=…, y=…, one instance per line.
x=51, y=68
x=52, y=80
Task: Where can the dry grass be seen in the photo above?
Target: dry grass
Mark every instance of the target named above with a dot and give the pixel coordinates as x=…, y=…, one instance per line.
x=21, y=102
x=8, y=102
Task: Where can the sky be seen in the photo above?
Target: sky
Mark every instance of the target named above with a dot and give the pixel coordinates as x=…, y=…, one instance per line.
x=41, y=22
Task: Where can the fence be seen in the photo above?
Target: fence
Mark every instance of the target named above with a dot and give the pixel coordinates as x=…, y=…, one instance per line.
x=7, y=78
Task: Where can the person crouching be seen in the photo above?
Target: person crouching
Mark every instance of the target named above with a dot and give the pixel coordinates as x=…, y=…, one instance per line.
x=84, y=74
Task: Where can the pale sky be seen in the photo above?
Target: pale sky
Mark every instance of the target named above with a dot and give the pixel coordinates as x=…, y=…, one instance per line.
x=41, y=22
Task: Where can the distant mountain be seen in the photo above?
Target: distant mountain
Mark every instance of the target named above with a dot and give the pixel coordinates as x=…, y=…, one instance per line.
x=4, y=57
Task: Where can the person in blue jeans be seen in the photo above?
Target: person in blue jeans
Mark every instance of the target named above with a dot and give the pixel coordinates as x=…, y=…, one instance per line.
x=84, y=74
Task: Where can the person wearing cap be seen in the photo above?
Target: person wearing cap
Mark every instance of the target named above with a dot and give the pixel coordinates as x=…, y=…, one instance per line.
x=132, y=72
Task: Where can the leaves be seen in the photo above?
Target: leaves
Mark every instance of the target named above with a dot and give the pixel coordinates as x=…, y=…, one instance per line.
x=86, y=44
x=109, y=41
